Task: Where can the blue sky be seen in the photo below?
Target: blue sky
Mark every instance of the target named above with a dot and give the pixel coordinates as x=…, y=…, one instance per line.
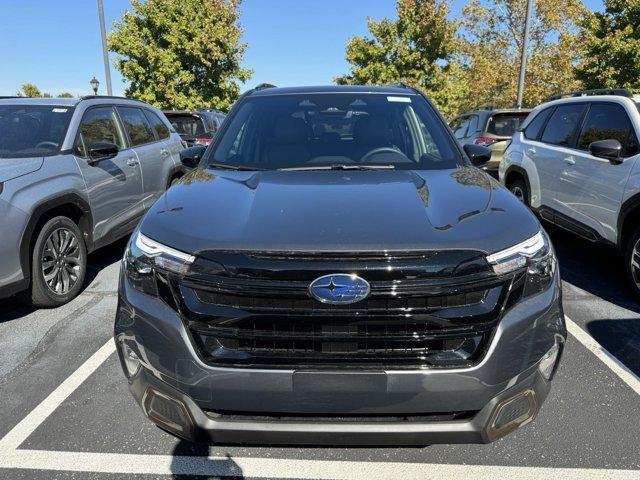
x=56, y=45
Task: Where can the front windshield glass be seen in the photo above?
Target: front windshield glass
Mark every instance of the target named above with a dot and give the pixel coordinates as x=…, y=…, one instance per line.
x=335, y=129
x=32, y=130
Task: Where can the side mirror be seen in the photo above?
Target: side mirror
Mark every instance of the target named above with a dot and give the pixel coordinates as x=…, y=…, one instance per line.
x=102, y=151
x=478, y=154
x=608, y=149
x=190, y=157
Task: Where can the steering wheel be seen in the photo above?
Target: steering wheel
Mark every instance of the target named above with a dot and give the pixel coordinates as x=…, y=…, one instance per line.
x=47, y=143
x=377, y=151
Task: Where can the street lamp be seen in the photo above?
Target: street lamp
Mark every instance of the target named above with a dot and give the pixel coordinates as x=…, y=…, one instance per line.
x=94, y=84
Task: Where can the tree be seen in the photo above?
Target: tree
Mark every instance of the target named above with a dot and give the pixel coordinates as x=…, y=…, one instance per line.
x=612, y=46
x=415, y=49
x=65, y=95
x=183, y=54
x=29, y=90
x=491, y=43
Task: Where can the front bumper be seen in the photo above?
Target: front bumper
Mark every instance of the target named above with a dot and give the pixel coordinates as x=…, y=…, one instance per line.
x=335, y=407
x=201, y=426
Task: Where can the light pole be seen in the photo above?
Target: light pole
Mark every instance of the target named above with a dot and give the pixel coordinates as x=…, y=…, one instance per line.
x=105, y=54
x=94, y=85
x=523, y=54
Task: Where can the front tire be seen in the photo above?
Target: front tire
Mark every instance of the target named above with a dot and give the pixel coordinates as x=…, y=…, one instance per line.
x=632, y=262
x=58, y=264
x=519, y=188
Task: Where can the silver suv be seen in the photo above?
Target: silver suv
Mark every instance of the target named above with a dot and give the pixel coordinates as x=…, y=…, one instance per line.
x=576, y=162
x=75, y=175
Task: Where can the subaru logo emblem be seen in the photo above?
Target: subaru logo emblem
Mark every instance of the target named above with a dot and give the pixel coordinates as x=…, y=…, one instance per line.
x=339, y=289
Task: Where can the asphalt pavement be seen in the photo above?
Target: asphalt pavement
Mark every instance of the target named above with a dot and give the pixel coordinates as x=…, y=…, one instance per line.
x=66, y=411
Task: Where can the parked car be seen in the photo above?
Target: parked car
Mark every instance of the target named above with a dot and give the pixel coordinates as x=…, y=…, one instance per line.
x=75, y=174
x=576, y=163
x=489, y=127
x=336, y=271
x=195, y=128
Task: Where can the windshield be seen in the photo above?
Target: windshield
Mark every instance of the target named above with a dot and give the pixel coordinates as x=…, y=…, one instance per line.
x=506, y=124
x=187, y=124
x=335, y=129
x=32, y=130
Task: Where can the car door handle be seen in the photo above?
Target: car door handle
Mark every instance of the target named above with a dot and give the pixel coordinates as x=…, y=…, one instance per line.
x=531, y=151
x=569, y=161
x=132, y=162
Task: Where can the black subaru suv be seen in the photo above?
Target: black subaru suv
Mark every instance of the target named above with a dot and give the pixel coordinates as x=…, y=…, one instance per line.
x=337, y=271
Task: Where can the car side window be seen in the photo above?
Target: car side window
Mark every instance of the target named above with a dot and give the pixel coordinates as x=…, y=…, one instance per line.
x=473, y=125
x=157, y=125
x=461, y=128
x=562, y=126
x=136, y=125
x=532, y=132
x=99, y=124
x=607, y=121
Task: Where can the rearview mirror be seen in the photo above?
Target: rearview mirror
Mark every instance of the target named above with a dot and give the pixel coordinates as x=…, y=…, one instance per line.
x=478, y=154
x=190, y=157
x=608, y=149
x=102, y=151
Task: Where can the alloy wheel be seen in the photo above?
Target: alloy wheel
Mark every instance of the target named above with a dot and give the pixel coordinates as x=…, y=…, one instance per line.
x=61, y=264
x=635, y=264
x=517, y=191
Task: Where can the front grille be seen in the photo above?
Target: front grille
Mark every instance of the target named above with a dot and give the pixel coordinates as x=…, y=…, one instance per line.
x=289, y=305
x=265, y=317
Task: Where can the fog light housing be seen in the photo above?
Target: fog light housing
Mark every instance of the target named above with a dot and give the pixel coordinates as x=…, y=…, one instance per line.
x=130, y=359
x=548, y=362
x=167, y=412
x=512, y=413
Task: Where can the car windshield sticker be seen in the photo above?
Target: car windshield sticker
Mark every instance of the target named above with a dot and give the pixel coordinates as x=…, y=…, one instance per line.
x=399, y=99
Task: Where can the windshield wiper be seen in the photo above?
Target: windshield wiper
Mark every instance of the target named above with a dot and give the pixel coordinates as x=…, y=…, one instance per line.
x=338, y=167
x=224, y=166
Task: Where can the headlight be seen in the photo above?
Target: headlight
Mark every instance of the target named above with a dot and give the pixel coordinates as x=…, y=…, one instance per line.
x=536, y=254
x=144, y=256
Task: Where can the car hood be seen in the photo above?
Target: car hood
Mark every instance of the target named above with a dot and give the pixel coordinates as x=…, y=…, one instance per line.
x=338, y=211
x=15, y=167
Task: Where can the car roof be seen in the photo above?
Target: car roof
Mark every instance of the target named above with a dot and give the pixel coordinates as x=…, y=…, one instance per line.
x=493, y=111
x=71, y=102
x=181, y=112
x=62, y=102
x=389, y=90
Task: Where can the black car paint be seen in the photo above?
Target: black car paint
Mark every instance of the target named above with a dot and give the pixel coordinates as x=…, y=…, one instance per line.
x=339, y=211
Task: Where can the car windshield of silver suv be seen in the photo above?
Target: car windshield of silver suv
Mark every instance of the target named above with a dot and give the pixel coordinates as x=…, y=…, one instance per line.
x=337, y=271
x=32, y=130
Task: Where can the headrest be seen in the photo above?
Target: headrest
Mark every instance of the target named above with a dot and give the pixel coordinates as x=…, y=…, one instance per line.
x=370, y=130
x=289, y=130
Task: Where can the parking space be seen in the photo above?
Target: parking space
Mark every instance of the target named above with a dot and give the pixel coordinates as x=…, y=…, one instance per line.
x=67, y=412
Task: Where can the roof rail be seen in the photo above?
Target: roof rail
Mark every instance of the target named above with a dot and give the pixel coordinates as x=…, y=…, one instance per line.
x=622, y=92
x=116, y=97
x=262, y=86
x=11, y=96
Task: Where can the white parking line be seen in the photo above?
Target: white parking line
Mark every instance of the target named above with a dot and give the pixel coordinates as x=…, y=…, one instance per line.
x=615, y=365
x=38, y=415
x=249, y=467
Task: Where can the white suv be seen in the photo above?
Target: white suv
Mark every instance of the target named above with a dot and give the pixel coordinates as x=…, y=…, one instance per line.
x=576, y=162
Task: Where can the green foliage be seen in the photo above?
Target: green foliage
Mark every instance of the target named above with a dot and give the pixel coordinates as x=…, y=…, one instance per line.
x=29, y=90
x=414, y=49
x=474, y=62
x=612, y=46
x=491, y=44
x=183, y=54
x=65, y=95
